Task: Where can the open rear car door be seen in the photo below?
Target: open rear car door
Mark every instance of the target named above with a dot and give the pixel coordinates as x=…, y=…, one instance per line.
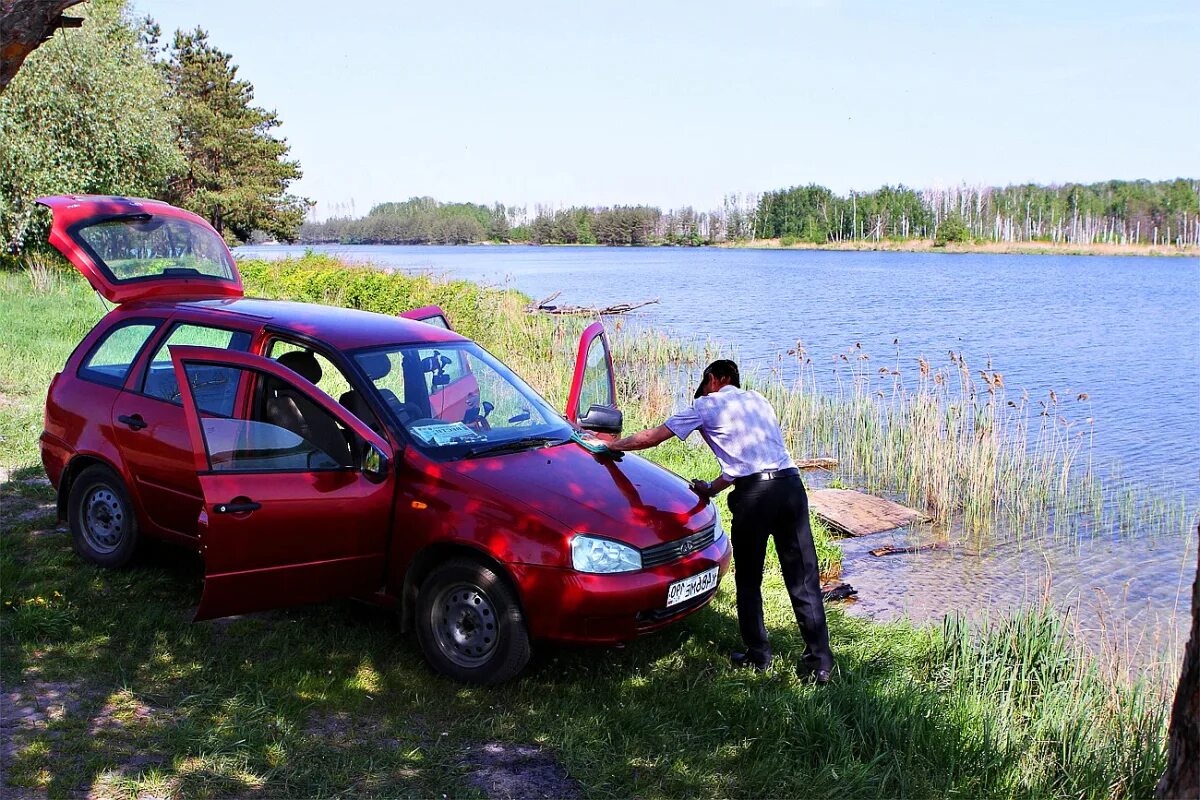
x=297, y=491
x=132, y=249
x=592, y=402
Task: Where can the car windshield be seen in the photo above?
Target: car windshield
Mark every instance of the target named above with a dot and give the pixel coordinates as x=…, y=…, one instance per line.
x=456, y=400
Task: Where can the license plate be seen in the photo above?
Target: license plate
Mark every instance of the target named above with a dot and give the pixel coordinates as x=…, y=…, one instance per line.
x=686, y=589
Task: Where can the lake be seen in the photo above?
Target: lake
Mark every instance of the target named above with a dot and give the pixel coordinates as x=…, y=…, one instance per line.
x=1124, y=331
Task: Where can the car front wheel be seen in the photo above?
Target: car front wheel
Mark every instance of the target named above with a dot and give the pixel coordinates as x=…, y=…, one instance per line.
x=470, y=625
x=103, y=526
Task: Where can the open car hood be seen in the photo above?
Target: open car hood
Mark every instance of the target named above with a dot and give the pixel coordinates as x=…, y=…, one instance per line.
x=134, y=249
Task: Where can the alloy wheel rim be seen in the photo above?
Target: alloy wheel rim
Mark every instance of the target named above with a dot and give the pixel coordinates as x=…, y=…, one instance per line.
x=103, y=519
x=464, y=624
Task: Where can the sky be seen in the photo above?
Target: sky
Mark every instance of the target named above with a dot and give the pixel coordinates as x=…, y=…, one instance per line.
x=674, y=103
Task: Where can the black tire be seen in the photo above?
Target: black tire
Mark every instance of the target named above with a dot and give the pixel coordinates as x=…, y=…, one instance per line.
x=103, y=523
x=470, y=625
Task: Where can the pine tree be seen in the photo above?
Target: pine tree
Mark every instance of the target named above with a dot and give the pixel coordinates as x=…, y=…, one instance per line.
x=237, y=172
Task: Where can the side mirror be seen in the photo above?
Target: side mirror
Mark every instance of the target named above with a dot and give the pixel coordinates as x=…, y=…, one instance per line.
x=375, y=464
x=602, y=419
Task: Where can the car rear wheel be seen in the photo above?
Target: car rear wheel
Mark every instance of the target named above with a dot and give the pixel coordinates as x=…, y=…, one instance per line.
x=470, y=625
x=103, y=526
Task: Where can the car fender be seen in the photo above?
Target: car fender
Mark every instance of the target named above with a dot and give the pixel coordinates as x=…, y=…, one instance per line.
x=77, y=463
x=439, y=552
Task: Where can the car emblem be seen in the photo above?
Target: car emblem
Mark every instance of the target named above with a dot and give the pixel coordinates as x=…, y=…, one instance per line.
x=685, y=547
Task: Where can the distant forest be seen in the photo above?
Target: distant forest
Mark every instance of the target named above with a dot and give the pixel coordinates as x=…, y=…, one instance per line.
x=1116, y=212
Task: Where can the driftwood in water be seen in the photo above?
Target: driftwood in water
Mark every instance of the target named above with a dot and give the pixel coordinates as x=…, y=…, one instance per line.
x=544, y=307
x=837, y=591
x=817, y=463
x=889, y=550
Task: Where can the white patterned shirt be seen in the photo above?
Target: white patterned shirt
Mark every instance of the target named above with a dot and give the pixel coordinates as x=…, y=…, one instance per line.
x=741, y=428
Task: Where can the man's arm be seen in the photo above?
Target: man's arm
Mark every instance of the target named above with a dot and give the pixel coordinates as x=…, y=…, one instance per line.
x=642, y=439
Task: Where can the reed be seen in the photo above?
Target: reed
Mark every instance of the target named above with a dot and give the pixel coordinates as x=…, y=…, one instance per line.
x=950, y=440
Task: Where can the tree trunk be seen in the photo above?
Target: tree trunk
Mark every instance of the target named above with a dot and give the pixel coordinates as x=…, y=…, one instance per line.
x=25, y=24
x=1182, y=778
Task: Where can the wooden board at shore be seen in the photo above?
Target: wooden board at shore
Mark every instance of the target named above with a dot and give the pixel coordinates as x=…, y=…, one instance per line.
x=858, y=514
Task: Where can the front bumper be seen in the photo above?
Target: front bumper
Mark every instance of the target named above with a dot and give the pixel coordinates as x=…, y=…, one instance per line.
x=563, y=605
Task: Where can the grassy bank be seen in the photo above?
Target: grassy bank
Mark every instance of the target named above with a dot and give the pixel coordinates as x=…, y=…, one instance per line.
x=994, y=248
x=111, y=690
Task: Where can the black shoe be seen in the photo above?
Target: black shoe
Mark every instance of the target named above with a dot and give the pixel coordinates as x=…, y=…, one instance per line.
x=817, y=676
x=742, y=660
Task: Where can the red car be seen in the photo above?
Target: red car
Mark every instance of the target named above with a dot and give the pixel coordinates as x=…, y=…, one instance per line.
x=437, y=482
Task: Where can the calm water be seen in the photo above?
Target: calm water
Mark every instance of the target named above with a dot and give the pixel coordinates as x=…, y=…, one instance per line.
x=1125, y=331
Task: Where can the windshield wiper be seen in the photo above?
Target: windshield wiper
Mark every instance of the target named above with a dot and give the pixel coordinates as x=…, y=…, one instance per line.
x=513, y=445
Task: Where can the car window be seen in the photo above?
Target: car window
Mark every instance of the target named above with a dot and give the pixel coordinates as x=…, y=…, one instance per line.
x=486, y=405
x=215, y=387
x=332, y=381
x=596, y=389
x=443, y=367
x=111, y=359
x=145, y=246
x=284, y=431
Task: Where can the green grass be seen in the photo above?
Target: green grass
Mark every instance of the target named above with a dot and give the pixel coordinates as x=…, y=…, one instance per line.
x=332, y=699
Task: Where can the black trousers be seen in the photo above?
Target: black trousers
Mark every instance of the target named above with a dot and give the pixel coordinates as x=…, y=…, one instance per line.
x=778, y=508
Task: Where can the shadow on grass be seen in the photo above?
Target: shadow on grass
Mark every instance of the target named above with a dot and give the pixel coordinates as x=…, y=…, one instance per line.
x=130, y=697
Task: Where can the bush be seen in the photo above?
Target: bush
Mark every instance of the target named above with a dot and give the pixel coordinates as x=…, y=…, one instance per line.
x=952, y=229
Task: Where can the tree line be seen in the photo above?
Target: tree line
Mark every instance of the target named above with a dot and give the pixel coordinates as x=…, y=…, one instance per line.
x=1112, y=212
x=1117, y=212
x=108, y=108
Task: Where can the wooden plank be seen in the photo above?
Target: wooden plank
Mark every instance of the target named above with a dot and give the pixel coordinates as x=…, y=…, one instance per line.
x=858, y=514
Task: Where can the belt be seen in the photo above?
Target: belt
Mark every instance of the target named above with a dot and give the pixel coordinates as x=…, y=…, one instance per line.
x=767, y=475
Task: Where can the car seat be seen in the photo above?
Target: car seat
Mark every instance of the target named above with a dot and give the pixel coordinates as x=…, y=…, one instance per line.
x=377, y=366
x=293, y=411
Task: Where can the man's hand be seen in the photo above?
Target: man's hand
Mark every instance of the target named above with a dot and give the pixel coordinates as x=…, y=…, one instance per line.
x=709, y=489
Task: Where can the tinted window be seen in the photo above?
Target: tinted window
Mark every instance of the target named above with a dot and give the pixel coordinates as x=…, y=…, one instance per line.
x=146, y=246
x=215, y=387
x=111, y=360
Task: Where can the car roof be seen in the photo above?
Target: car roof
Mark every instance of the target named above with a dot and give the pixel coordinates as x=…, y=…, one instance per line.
x=343, y=328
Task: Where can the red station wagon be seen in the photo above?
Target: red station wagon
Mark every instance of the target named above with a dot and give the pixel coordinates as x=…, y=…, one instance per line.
x=436, y=483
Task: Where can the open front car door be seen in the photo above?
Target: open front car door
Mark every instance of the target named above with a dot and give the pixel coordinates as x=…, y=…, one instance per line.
x=592, y=403
x=297, y=491
x=132, y=249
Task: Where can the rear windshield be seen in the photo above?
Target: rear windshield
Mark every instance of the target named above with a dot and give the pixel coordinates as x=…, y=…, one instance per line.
x=145, y=246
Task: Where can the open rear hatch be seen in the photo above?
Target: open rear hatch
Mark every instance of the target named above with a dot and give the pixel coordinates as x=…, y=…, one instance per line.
x=132, y=249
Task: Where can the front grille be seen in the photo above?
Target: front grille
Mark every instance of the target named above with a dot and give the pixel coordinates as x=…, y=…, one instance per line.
x=672, y=551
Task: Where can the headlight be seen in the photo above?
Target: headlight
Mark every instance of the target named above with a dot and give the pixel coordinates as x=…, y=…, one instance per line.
x=589, y=554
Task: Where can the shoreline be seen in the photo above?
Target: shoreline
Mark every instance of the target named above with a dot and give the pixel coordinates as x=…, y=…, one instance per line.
x=1032, y=248
x=884, y=245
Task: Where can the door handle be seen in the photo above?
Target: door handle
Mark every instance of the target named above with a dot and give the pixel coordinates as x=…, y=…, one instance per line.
x=134, y=422
x=244, y=507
